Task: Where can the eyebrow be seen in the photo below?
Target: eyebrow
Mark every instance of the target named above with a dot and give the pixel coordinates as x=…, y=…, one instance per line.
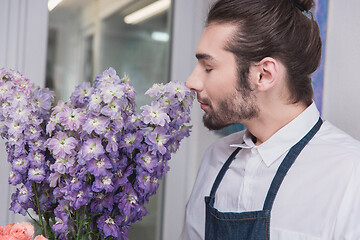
x=204, y=56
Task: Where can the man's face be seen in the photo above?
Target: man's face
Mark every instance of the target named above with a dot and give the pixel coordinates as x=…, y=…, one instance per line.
x=215, y=79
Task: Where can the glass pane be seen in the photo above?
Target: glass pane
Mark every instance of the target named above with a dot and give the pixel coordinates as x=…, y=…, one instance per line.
x=88, y=36
x=135, y=50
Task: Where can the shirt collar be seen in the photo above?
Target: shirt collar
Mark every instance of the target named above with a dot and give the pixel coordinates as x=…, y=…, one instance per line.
x=285, y=138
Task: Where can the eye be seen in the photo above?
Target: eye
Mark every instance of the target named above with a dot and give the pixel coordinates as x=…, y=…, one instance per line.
x=207, y=70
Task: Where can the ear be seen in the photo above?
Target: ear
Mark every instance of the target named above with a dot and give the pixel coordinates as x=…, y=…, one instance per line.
x=266, y=73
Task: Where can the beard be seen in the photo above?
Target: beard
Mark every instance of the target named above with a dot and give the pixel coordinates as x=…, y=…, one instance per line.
x=230, y=110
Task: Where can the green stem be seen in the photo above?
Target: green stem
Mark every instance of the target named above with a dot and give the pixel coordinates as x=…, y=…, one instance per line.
x=80, y=223
x=37, y=204
x=72, y=232
x=48, y=227
x=35, y=221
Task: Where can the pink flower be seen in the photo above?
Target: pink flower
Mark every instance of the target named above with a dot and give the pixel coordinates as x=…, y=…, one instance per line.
x=6, y=229
x=22, y=231
x=40, y=237
x=2, y=231
x=18, y=231
x=8, y=237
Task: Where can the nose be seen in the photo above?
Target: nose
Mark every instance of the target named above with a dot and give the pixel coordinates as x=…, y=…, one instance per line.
x=194, y=81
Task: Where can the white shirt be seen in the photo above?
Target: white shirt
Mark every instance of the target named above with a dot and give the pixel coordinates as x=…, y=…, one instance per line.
x=318, y=199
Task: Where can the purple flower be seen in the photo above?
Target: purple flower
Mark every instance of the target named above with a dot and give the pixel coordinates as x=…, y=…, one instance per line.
x=157, y=139
x=36, y=120
x=129, y=91
x=101, y=202
x=131, y=141
x=18, y=99
x=81, y=197
x=33, y=132
x=98, y=167
x=177, y=90
x=15, y=178
x=43, y=98
x=110, y=92
x=103, y=183
x=109, y=75
x=147, y=160
x=54, y=179
x=20, y=164
x=22, y=84
x=16, y=149
x=117, y=124
x=36, y=174
x=76, y=184
x=50, y=127
x=112, y=145
x=93, y=157
x=62, y=165
x=143, y=181
x=154, y=114
x=37, y=144
x=24, y=194
x=96, y=124
x=156, y=91
x=92, y=148
x=15, y=206
x=121, y=176
x=20, y=114
x=109, y=225
x=15, y=128
x=61, y=225
x=124, y=231
x=128, y=200
x=61, y=144
x=59, y=107
x=82, y=93
x=95, y=103
x=72, y=118
x=154, y=185
x=112, y=109
x=5, y=89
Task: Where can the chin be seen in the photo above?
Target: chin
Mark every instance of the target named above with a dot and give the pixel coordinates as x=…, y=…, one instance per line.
x=215, y=126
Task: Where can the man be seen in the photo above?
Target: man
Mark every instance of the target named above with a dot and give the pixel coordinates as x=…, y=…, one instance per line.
x=289, y=175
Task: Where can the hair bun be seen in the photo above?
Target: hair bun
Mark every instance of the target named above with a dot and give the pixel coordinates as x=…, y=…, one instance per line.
x=306, y=4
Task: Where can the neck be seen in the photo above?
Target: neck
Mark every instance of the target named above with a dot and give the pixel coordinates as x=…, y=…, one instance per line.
x=271, y=120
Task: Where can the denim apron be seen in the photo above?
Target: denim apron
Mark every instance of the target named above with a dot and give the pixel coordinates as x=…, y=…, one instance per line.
x=252, y=225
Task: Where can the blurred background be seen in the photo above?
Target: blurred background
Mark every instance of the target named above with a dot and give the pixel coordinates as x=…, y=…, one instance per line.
x=60, y=44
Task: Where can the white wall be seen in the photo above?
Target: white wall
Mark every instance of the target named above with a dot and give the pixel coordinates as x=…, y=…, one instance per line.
x=23, y=27
x=341, y=103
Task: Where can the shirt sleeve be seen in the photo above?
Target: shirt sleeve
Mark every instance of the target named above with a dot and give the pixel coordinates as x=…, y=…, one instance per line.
x=347, y=222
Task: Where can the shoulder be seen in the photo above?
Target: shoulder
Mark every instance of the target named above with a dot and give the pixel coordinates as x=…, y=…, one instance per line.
x=336, y=139
x=333, y=147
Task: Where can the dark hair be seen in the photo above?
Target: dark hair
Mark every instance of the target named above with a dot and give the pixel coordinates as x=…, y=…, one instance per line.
x=273, y=28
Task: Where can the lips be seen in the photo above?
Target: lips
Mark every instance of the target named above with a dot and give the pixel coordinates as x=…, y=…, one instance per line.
x=203, y=104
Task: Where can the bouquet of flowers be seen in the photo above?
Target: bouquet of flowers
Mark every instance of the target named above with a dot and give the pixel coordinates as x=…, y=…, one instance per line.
x=87, y=166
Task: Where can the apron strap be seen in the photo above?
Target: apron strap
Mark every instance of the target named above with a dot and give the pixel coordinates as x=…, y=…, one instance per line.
x=222, y=172
x=286, y=164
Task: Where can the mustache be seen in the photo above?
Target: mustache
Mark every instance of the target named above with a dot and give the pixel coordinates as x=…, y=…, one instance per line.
x=204, y=100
